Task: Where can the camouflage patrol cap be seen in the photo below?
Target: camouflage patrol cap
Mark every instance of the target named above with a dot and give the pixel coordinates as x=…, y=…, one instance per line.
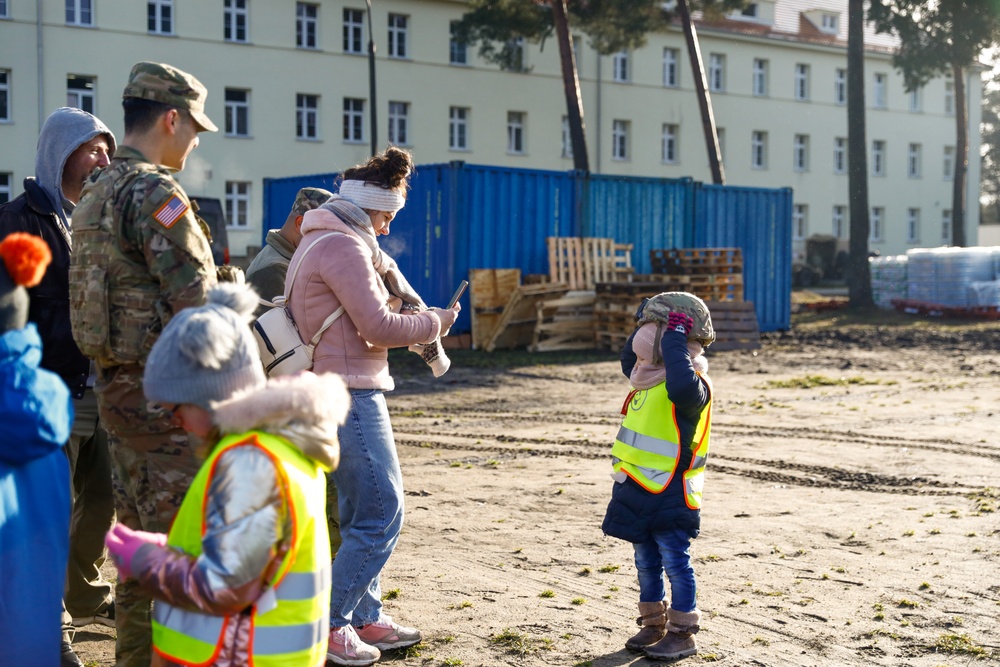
x=659, y=307
x=309, y=199
x=166, y=84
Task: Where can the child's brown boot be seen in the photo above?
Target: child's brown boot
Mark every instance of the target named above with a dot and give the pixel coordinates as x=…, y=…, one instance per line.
x=653, y=621
x=679, y=640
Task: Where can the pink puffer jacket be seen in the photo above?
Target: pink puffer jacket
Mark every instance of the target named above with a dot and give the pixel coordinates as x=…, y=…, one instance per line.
x=338, y=271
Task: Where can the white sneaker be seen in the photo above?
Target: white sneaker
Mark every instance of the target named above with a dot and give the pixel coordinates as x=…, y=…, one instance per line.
x=346, y=648
x=385, y=635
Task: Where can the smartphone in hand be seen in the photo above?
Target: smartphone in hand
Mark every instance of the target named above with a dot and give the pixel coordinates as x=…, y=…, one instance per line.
x=458, y=294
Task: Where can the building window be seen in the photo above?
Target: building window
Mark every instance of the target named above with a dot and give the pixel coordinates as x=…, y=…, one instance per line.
x=875, y=231
x=238, y=203
x=671, y=73
x=5, y=180
x=160, y=17
x=828, y=23
x=716, y=72
x=879, y=84
x=516, y=62
x=306, y=25
x=916, y=100
x=515, y=132
x=458, y=128
x=79, y=12
x=949, y=163
x=840, y=86
x=758, y=150
x=949, y=96
x=839, y=222
x=801, y=82
x=750, y=11
x=759, y=77
x=669, y=150
x=619, y=139
x=878, y=158
x=913, y=225
x=839, y=155
x=80, y=92
x=399, y=121
x=577, y=46
x=234, y=19
x=800, y=221
x=946, y=225
x=458, y=53
x=622, y=71
x=4, y=95
x=913, y=161
x=306, y=116
x=237, y=112
x=800, y=153
x=4, y=10
x=354, y=120
x=567, y=139
x=397, y=35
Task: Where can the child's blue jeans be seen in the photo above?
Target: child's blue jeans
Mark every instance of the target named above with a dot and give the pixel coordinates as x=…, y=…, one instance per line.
x=666, y=553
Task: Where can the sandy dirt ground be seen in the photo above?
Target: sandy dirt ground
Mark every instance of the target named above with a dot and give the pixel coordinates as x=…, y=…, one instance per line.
x=850, y=512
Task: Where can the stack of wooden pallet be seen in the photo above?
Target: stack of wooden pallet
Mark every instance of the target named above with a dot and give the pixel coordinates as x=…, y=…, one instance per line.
x=504, y=312
x=714, y=274
x=580, y=262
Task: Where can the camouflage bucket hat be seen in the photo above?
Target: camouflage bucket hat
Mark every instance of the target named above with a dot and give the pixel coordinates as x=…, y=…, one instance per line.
x=659, y=307
x=309, y=199
x=169, y=85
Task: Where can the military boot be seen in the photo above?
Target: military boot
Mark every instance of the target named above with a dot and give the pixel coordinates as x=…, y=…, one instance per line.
x=653, y=621
x=679, y=640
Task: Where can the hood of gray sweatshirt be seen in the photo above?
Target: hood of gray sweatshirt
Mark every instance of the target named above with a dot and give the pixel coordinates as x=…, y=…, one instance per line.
x=63, y=132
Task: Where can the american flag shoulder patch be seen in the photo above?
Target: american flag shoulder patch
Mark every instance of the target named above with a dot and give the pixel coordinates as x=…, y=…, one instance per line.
x=171, y=211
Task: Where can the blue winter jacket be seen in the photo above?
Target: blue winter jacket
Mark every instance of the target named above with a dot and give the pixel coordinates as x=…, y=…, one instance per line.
x=634, y=513
x=36, y=414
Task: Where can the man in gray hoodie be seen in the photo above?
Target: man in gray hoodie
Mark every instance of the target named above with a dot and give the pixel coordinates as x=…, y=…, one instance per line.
x=71, y=145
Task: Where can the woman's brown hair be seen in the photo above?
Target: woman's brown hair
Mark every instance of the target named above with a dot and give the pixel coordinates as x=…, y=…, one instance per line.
x=390, y=169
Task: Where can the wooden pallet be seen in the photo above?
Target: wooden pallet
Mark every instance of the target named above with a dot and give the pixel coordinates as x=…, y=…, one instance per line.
x=735, y=325
x=693, y=261
x=566, y=323
x=489, y=292
x=582, y=262
x=709, y=291
x=516, y=325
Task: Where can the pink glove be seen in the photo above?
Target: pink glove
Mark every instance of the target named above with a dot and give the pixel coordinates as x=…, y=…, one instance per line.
x=680, y=322
x=123, y=543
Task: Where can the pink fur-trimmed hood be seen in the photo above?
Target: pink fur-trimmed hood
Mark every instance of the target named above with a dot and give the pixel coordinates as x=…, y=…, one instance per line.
x=305, y=409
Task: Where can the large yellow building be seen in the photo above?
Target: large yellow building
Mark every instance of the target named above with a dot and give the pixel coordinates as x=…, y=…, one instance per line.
x=289, y=87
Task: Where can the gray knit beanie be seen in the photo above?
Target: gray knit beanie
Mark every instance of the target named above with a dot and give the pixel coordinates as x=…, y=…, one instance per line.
x=206, y=354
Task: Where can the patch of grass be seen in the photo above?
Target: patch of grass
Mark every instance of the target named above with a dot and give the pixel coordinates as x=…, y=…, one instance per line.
x=810, y=381
x=613, y=589
x=585, y=572
x=464, y=604
x=907, y=604
x=578, y=601
x=513, y=642
x=961, y=644
x=456, y=464
x=393, y=594
x=761, y=640
x=452, y=662
x=447, y=639
x=924, y=586
x=609, y=568
x=908, y=533
x=584, y=663
x=547, y=594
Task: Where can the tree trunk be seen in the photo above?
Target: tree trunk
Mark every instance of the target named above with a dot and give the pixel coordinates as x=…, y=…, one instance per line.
x=859, y=282
x=961, y=168
x=704, y=99
x=571, y=84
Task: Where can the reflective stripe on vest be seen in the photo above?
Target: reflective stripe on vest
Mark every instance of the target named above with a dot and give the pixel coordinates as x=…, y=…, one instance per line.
x=647, y=447
x=290, y=621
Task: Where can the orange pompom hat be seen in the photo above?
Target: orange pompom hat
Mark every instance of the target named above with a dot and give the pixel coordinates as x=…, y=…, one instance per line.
x=25, y=259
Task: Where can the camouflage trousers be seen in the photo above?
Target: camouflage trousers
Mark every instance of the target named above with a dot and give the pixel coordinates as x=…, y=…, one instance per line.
x=153, y=464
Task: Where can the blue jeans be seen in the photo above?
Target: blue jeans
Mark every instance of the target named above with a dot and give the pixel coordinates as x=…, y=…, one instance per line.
x=370, y=486
x=666, y=553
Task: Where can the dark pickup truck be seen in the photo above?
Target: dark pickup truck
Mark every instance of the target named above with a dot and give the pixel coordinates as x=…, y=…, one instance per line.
x=211, y=211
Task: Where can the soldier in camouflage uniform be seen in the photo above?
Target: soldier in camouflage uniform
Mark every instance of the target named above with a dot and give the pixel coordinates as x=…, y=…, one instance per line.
x=140, y=256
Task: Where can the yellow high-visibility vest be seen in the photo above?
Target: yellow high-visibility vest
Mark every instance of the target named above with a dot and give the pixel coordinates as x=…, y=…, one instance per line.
x=647, y=447
x=291, y=628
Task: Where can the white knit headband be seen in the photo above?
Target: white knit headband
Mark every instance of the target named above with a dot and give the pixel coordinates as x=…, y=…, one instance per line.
x=372, y=197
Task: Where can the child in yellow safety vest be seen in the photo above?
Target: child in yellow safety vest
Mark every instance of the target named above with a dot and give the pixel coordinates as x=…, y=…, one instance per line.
x=243, y=577
x=659, y=460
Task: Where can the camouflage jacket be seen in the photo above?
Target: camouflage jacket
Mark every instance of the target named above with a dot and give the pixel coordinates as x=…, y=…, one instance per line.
x=140, y=256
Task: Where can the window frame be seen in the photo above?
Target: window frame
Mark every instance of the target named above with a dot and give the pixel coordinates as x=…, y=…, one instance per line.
x=567, y=139
x=4, y=9
x=399, y=123
x=621, y=67
x=879, y=151
x=307, y=26
x=232, y=16
x=880, y=90
x=77, y=9
x=800, y=221
x=237, y=204
x=758, y=149
x=759, y=79
x=6, y=108
x=458, y=128
x=840, y=87
x=669, y=143
x=398, y=40
x=800, y=153
x=354, y=120
x=516, y=144
x=801, y=82
x=913, y=225
x=82, y=93
x=306, y=109
x=875, y=230
x=235, y=112
x=6, y=186
x=458, y=53
x=949, y=96
x=155, y=13
x=949, y=163
x=839, y=221
x=916, y=100
x=840, y=155
x=914, y=158
x=671, y=67
x=717, y=72
x=620, y=140
x=947, y=219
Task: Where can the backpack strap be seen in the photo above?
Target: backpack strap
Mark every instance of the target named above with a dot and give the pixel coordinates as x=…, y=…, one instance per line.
x=335, y=315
